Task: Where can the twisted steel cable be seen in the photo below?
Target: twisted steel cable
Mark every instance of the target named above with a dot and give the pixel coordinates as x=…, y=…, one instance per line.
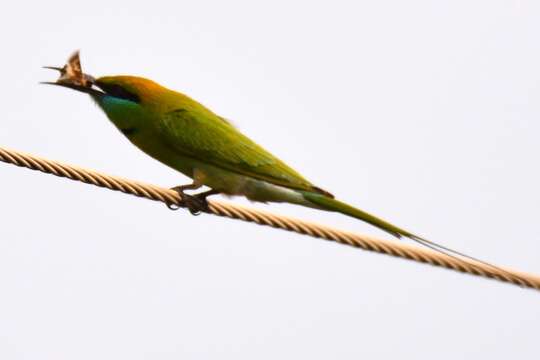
x=233, y=211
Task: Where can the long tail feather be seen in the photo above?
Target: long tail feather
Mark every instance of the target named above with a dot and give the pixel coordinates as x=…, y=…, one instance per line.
x=329, y=204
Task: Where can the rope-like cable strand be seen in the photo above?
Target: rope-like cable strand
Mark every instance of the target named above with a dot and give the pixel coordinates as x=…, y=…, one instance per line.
x=233, y=211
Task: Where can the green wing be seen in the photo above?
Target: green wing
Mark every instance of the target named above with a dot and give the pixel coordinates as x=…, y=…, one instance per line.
x=195, y=131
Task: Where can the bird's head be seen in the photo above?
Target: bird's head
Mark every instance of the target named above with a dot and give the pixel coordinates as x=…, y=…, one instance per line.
x=128, y=88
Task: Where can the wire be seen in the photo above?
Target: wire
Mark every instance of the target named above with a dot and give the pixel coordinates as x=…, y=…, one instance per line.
x=233, y=211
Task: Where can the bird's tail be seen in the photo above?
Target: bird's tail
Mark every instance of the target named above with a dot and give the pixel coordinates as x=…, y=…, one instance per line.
x=326, y=203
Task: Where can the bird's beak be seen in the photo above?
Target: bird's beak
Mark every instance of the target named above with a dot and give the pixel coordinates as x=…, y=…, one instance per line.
x=54, y=68
x=71, y=76
x=74, y=84
x=86, y=90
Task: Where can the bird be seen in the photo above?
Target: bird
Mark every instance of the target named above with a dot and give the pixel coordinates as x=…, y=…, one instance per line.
x=185, y=135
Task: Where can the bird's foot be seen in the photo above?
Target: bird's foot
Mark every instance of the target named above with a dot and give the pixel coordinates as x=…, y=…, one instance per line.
x=196, y=204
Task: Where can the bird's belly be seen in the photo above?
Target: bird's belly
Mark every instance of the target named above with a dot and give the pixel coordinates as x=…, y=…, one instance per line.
x=231, y=183
x=161, y=152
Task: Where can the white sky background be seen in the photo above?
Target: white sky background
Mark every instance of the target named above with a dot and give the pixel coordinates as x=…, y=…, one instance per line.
x=423, y=112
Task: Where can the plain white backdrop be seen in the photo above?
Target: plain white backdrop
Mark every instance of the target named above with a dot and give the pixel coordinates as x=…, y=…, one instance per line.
x=423, y=112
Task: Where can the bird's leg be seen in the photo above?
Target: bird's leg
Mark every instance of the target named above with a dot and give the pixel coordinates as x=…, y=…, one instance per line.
x=180, y=189
x=195, y=203
x=188, y=200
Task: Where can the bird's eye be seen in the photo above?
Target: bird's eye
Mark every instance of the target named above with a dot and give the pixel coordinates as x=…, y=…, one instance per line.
x=119, y=92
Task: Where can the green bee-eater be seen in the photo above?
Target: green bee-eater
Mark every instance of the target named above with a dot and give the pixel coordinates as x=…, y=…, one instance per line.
x=185, y=135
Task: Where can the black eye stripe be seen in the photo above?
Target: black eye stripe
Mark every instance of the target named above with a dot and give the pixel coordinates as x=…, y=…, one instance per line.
x=119, y=92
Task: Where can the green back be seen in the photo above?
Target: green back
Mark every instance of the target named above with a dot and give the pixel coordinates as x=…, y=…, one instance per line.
x=195, y=131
